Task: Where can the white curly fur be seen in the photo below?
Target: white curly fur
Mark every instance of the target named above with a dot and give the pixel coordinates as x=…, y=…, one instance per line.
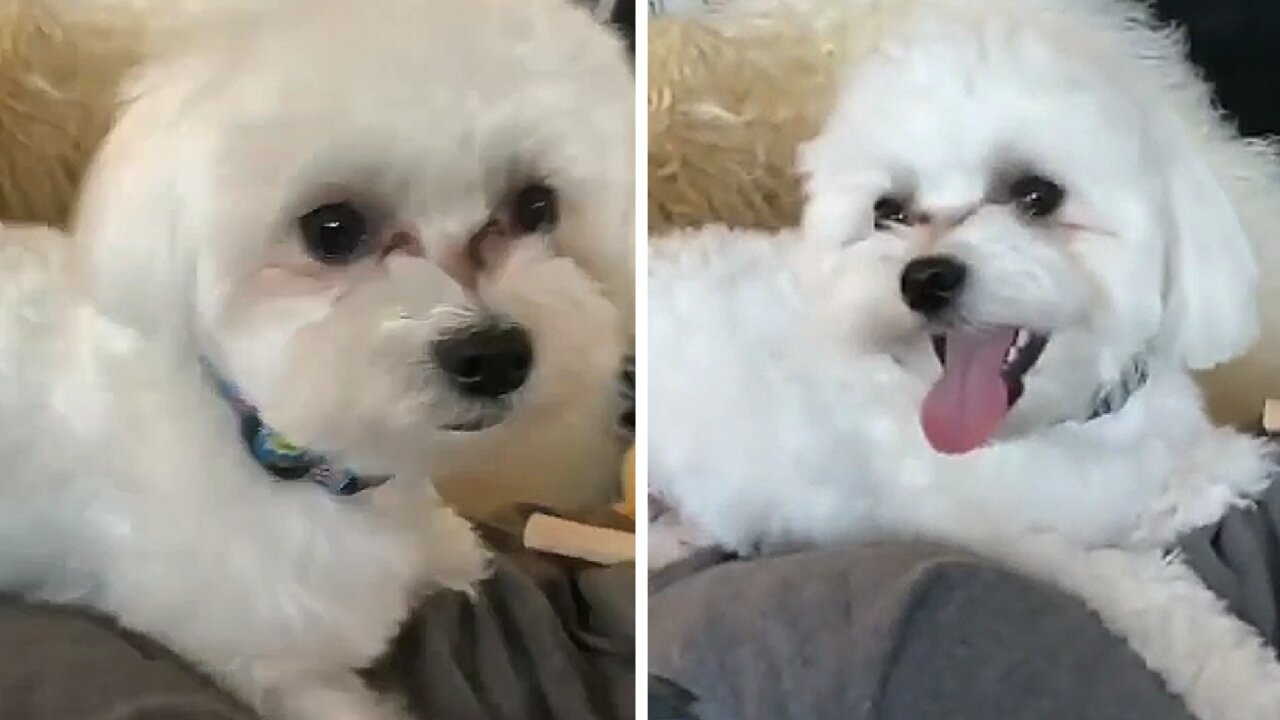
x=790, y=375
x=127, y=486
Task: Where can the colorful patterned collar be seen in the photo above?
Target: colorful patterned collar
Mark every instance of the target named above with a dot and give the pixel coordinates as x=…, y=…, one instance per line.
x=282, y=458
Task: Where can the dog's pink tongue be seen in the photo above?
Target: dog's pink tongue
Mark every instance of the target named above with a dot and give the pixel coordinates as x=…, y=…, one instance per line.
x=965, y=406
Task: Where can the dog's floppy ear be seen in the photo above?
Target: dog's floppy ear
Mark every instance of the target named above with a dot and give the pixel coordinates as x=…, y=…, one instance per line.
x=831, y=217
x=1211, y=313
x=128, y=216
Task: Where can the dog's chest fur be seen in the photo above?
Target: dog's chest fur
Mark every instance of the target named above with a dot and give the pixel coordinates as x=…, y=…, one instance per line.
x=127, y=487
x=815, y=443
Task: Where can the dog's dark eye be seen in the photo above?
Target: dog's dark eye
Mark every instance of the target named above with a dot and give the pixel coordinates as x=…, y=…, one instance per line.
x=535, y=208
x=890, y=211
x=1036, y=196
x=335, y=234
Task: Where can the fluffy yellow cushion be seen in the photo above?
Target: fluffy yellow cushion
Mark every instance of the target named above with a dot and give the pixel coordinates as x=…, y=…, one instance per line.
x=59, y=74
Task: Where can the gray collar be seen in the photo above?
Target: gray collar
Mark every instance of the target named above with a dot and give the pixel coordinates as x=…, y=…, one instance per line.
x=1111, y=398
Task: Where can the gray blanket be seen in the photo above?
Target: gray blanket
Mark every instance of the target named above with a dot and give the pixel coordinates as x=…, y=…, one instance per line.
x=902, y=631
x=894, y=631
x=546, y=640
x=1239, y=558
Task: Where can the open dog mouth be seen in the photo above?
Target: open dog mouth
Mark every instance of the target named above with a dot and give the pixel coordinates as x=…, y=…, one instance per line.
x=470, y=426
x=982, y=378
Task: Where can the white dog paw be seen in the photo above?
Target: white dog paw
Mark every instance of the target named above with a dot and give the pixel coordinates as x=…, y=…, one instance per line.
x=672, y=540
x=459, y=561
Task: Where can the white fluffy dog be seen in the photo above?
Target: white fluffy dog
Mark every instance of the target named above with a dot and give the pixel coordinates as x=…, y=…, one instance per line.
x=1039, y=194
x=330, y=250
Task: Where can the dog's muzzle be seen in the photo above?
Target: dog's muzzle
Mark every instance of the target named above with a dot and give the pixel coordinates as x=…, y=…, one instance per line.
x=984, y=367
x=485, y=362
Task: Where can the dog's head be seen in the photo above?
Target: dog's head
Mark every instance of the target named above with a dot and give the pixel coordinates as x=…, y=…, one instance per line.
x=1048, y=180
x=386, y=222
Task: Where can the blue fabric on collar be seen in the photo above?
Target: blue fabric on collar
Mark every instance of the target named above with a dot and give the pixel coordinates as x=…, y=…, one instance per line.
x=282, y=458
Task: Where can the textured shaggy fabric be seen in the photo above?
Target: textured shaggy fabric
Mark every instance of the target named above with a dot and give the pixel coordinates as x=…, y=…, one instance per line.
x=59, y=75
x=887, y=632
x=61, y=62
x=728, y=103
x=730, y=97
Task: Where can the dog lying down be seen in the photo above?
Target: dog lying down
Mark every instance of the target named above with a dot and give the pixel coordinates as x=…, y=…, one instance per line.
x=329, y=250
x=1024, y=229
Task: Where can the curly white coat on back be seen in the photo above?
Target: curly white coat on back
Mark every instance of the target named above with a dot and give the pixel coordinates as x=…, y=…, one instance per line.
x=126, y=483
x=788, y=377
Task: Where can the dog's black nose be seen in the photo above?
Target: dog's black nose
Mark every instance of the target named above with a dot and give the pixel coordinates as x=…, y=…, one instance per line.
x=931, y=284
x=486, y=362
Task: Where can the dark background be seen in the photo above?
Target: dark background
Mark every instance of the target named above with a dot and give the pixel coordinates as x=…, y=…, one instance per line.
x=624, y=19
x=1237, y=44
